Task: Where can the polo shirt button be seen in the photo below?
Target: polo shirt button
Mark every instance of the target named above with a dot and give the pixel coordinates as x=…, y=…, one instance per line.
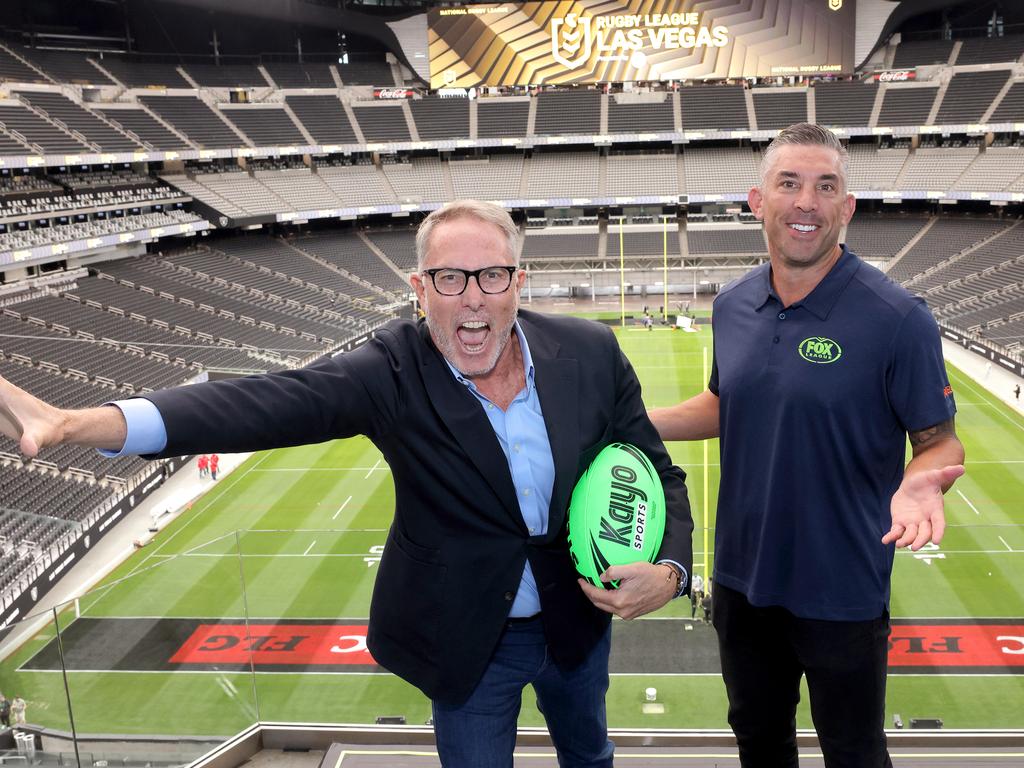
x=509, y=596
x=775, y=340
x=782, y=315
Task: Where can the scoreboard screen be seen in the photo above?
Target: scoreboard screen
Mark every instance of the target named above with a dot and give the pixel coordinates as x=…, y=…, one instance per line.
x=593, y=41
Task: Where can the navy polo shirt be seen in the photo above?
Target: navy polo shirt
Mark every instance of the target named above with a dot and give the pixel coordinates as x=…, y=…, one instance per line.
x=816, y=400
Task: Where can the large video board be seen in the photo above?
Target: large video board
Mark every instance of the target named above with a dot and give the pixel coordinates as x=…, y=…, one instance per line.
x=589, y=41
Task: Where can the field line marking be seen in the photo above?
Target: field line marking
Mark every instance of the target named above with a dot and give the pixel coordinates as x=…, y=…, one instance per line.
x=1005, y=544
x=374, y=467
x=990, y=403
x=320, y=469
x=309, y=548
x=968, y=502
x=221, y=490
x=344, y=504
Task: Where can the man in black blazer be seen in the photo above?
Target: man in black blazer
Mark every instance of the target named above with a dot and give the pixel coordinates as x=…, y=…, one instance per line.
x=487, y=417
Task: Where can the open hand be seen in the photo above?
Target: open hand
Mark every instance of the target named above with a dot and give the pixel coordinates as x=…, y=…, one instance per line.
x=918, y=514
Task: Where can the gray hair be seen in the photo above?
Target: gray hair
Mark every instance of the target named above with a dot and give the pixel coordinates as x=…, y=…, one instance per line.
x=488, y=213
x=804, y=135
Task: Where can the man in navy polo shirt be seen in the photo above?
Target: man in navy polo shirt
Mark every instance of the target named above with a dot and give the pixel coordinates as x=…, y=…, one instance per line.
x=822, y=368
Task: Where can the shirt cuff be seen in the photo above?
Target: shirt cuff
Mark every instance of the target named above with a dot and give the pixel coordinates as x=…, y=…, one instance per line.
x=684, y=578
x=146, y=431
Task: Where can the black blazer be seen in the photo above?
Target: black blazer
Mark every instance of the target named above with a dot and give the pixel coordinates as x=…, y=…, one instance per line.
x=457, y=546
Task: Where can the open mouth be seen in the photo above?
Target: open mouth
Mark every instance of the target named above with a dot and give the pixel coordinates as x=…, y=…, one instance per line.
x=473, y=335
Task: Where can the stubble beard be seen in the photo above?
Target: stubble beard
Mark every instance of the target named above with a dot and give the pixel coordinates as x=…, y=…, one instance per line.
x=447, y=343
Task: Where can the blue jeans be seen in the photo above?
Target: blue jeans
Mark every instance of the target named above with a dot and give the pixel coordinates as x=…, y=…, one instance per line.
x=481, y=733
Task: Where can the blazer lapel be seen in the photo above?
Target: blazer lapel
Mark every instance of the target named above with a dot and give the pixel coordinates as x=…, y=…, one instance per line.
x=557, y=380
x=463, y=415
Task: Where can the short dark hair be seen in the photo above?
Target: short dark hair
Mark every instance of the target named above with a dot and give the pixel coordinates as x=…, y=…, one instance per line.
x=806, y=134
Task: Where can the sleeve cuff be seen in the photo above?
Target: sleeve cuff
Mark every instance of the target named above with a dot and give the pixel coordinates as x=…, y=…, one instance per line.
x=146, y=432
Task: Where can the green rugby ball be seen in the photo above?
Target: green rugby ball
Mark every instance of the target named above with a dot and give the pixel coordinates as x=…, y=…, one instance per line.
x=616, y=514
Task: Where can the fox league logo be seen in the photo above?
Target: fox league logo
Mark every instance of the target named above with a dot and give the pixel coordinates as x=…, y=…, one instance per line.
x=571, y=39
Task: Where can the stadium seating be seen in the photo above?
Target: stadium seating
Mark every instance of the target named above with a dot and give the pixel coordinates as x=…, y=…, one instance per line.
x=880, y=238
x=441, y=118
x=148, y=129
x=844, y=103
x=366, y=73
x=563, y=174
x=398, y=244
x=716, y=107
x=1011, y=107
x=873, y=168
x=290, y=75
x=35, y=129
x=726, y=240
x=226, y=75
x=720, y=170
x=565, y=112
x=195, y=119
x=969, y=95
x=568, y=245
x=58, y=107
x=907, y=106
x=66, y=66
x=945, y=239
x=936, y=169
x=416, y=180
x=990, y=50
x=382, y=121
x=649, y=116
x=265, y=126
x=347, y=251
x=489, y=177
x=142, y=73
x=357, y=185
x=500, y=118
x=778, y=108
x=643, y=173
x=324, y=117
x=916, y=53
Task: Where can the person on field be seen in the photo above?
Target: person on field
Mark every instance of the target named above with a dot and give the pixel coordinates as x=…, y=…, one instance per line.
x=487, y=416
x=822, y=369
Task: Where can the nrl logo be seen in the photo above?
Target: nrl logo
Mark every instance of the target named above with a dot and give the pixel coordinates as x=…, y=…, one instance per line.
x=835, y=5
x=571, y=40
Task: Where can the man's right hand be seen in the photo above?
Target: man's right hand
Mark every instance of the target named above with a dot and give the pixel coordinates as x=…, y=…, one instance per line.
x=28, y=420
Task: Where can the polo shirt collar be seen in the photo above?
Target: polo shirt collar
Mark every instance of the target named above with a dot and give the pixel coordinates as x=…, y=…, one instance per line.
x=820, y=301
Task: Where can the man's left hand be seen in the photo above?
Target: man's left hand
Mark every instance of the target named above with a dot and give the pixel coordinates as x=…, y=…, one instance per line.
x=917, y=509
x=643, y=587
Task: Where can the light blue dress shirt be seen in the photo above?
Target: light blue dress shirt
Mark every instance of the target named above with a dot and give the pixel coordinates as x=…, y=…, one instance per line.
x=524, y=439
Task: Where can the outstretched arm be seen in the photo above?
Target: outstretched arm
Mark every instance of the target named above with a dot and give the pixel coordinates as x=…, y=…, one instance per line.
x=693, y=419
x=35, y=424
x=918, y=513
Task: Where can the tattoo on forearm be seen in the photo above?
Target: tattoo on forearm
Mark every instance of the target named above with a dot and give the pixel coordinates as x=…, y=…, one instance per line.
x=932, y=434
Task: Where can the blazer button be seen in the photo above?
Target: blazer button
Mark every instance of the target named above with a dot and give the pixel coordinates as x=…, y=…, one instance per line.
x=510, y=596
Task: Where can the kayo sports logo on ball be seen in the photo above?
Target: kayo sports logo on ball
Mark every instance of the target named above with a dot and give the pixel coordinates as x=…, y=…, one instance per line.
x=818, y=349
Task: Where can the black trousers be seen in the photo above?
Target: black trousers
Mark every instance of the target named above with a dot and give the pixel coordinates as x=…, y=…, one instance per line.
x=765, y=652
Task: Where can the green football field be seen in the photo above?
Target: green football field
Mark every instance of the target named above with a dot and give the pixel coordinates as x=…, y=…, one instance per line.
x=302, y=530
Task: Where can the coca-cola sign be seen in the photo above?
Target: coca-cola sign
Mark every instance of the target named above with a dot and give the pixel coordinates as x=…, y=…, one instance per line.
x=896, y=76
x=393, y=93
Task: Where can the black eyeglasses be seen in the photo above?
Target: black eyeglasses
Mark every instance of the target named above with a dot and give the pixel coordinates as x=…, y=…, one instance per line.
x=451, y=281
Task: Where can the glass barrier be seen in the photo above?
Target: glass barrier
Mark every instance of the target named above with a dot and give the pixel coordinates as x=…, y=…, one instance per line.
x=309, y=598
x=180, y=652
x=132, y=651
